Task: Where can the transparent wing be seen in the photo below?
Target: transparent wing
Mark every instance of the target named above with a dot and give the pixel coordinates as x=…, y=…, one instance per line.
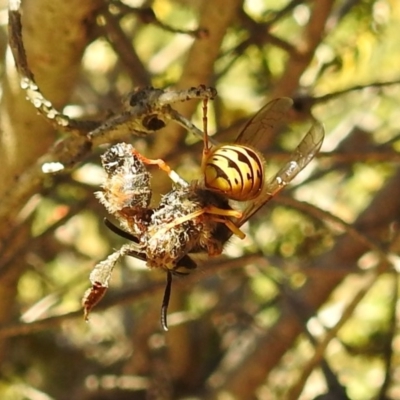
x=264, y=122
x=303, y=154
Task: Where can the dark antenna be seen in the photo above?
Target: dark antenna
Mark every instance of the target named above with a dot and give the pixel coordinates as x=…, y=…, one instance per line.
x=165, y=302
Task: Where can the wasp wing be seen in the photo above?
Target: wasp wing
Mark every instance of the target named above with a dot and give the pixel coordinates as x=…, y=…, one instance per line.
x=264, y=122
x=303, y=154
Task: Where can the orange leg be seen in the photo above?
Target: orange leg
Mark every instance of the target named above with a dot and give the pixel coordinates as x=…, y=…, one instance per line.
x=216, y=215
x=207, y=147
x=231, y=226
x=163, y=166
x=223, y=212
x=205, y=123
x=181, y=220
x=161, y=163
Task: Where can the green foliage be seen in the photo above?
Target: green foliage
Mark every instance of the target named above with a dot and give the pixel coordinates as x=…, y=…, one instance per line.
x=247, y=324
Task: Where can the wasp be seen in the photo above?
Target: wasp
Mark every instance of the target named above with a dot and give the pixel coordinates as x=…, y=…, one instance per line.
x=234, y=183
x=202, y=215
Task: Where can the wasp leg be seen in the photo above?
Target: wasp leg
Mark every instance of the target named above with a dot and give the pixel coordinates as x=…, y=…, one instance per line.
x=216, y=214
x=163, y=166
x=230, y=225
x=161, y=163
x=207, y=146
x=216, y=211
x=181, y=220
x=223, y=212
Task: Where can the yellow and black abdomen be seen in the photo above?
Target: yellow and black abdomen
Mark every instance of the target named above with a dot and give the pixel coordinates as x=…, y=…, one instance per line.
x=234, y=170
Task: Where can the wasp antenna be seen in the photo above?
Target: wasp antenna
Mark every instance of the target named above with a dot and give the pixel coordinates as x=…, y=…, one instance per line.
x=165, y=302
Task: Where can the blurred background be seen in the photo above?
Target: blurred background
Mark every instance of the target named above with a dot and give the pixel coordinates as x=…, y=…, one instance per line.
x=304, y=307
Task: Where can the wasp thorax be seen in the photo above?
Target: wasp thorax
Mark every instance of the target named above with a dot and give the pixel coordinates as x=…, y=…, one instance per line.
x=234, y=170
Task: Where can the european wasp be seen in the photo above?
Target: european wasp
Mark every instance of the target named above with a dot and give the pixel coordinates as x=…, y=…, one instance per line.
x=199, y=216
x=234, y=174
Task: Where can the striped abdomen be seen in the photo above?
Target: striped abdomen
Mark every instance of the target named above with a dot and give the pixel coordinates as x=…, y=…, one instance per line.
x=234, y=170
